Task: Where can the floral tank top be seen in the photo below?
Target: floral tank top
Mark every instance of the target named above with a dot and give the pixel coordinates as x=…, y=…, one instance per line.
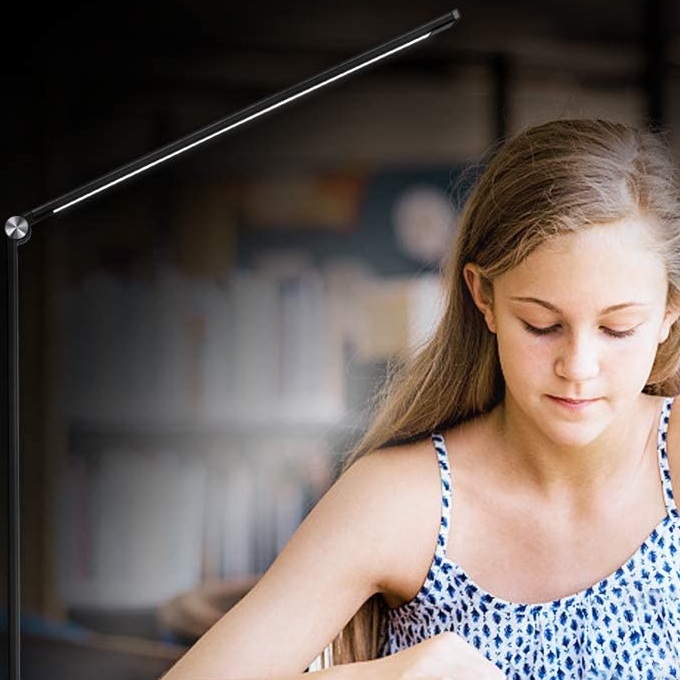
x=624, y=627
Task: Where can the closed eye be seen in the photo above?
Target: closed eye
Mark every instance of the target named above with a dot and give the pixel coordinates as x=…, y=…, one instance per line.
x=540, y=331
x=547, y=330
x=619, y=334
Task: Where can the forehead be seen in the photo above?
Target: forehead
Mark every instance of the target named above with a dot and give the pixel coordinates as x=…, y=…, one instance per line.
x=600, y=266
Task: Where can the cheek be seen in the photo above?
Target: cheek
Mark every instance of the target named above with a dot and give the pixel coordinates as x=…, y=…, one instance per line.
x=523, y=358
x=629, y=365
x=639, y=358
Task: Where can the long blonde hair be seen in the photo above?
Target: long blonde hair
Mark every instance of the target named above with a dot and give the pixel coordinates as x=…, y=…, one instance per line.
x=548, y=180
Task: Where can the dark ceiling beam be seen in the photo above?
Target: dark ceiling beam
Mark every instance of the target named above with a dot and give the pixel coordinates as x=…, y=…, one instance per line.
x=655, y=42
x=501, y=114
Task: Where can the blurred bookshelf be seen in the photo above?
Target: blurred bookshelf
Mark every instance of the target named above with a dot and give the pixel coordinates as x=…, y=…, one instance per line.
x=194, y=456
x=199, y=396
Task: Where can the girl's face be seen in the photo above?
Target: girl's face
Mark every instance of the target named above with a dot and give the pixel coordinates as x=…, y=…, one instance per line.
x=578, y=324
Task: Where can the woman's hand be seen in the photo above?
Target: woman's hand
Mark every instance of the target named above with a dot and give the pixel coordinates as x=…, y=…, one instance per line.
x=447, y=656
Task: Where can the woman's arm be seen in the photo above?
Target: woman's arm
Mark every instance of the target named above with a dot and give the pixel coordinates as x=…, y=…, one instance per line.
x=331, y=565
x=374, y=531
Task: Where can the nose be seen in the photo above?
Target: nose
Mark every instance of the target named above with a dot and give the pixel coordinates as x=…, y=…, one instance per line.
x=578, y=359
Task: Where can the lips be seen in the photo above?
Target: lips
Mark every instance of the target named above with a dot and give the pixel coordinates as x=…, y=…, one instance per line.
x=572, y=403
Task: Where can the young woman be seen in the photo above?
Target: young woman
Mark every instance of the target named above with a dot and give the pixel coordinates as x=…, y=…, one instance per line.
x=510, y=512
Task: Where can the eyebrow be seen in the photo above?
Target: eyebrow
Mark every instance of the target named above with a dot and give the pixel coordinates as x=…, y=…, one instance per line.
x=553, y=308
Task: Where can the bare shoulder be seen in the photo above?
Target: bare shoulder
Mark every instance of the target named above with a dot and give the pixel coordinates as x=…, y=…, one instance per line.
x=403, y=468
x=408, y=482
x=414, y=500
x=404, y=478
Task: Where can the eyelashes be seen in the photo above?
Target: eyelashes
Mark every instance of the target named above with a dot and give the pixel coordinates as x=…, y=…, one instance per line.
x=539, y=331
x=549, y=330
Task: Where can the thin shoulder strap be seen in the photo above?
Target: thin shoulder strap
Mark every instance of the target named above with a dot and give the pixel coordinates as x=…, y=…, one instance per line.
x=662, y=451
x=445, y=473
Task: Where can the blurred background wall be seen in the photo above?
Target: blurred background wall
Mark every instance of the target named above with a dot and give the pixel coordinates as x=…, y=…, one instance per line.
x=199, y=348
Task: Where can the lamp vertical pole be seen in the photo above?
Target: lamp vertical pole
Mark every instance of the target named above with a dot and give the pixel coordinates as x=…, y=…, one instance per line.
x=18, y=232
x=14, y=583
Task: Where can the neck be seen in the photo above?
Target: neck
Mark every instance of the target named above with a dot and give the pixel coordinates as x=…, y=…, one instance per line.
x=529, y=456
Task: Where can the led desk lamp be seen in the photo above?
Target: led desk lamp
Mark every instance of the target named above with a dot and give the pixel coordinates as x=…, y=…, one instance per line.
x=18, y=230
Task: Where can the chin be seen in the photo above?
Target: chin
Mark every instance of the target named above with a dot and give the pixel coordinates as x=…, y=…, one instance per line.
x=575, y=437
x=572, y=424
x=577, y=425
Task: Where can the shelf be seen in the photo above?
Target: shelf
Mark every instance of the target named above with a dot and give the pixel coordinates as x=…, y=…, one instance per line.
x=93, y=437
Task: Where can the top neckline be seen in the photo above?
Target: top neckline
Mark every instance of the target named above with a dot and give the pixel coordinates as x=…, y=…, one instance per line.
x=473, y=589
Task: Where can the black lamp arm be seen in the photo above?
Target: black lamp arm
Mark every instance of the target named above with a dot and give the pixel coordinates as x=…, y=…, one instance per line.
x=18, y=226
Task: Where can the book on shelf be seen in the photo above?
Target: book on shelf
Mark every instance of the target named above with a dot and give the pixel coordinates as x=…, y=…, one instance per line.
x=130, y=527
x=136, y=527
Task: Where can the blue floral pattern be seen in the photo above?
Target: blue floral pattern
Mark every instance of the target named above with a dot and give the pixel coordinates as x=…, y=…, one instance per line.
x=626, y=626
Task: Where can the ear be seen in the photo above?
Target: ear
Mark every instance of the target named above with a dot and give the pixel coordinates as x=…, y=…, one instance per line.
x=671, y=316
x=480, y=293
